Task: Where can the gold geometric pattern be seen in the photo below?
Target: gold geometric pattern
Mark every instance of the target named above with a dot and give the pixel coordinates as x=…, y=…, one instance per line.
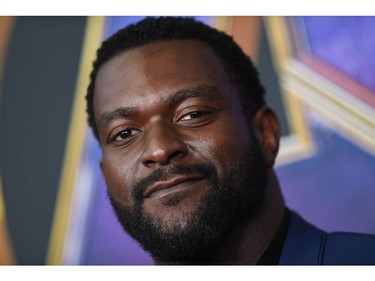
x=306, y=91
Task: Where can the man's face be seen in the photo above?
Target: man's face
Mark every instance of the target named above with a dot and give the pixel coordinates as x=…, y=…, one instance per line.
x=179, y=158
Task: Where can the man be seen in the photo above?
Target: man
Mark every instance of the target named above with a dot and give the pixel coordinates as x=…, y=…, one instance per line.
x=188, y=152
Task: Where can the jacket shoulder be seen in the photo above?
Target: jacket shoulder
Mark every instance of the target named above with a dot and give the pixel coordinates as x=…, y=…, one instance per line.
x=349, y=249
x=306, y=244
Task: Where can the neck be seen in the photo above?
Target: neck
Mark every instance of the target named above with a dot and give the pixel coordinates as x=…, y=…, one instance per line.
x=247, y=242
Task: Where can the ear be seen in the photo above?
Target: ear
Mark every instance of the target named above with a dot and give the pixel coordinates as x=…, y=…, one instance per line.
x=267, y=131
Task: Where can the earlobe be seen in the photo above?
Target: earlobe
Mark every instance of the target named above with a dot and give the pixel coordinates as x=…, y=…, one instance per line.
x=267, y=130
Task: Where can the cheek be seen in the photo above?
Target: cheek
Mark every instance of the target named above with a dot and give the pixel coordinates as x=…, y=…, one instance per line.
x=117, y=176
x=223, y=145
x=231, y=138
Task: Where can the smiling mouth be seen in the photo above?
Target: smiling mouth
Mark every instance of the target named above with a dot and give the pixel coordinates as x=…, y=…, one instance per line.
x=177, y=184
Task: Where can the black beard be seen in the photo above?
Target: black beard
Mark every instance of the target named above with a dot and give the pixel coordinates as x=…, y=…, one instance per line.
x=238, y=195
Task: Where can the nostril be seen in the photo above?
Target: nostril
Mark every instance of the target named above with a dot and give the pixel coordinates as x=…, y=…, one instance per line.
x=148, y=163
x=175, y=154
x=163, y=158
x=167, y=160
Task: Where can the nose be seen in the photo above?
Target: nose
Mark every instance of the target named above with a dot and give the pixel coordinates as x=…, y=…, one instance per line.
x=162, y=145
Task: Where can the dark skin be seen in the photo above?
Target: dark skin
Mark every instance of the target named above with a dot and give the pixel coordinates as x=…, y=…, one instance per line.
x=172, y=103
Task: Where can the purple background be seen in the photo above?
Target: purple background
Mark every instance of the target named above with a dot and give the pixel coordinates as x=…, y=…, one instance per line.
x=346, y=43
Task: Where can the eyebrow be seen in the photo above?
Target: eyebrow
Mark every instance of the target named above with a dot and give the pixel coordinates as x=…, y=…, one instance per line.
x=107, y=117
x=196, y=92
x=178, y=97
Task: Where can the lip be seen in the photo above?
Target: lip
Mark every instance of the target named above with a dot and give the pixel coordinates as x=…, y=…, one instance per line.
x=171, y=184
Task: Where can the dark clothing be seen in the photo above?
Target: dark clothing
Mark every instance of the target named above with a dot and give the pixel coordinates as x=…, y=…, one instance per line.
x=272, y=255
x=307, y=245
x=300, y=243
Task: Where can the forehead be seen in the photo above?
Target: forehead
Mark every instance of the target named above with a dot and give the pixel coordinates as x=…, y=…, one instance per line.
x=153, y=70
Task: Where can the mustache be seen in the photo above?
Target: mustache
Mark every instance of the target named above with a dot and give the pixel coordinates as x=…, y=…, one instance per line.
x=163, y=174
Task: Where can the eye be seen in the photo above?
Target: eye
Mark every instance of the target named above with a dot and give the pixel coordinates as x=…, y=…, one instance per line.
x=197, y=117
x=193, y=115
x=124, y=135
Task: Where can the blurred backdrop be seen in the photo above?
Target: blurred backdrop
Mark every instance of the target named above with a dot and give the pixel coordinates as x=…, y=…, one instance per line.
x=319, y=76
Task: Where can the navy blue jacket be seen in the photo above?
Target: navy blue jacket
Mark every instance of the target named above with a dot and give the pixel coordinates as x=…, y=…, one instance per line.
x=307, y=245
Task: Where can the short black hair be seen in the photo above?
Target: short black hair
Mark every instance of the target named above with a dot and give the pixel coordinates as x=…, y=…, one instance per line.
x=237, y=65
